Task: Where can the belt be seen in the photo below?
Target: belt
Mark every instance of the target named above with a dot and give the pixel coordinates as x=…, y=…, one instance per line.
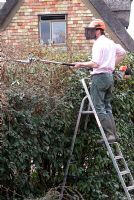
x=102, y=73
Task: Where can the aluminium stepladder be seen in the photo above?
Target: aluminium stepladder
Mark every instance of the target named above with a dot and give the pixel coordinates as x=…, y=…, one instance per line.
x=116, y=157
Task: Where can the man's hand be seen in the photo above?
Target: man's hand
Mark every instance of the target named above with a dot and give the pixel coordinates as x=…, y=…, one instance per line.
x=78, y=65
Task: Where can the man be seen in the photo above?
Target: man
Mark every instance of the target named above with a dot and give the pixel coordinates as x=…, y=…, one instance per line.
x=105, y=55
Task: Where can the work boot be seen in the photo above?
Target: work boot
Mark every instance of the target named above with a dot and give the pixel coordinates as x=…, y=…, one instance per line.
x=110, y=138
x=108, y=128
x=113, y=125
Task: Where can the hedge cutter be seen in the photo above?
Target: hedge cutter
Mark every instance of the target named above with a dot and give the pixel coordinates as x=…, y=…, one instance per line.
x=33, y=59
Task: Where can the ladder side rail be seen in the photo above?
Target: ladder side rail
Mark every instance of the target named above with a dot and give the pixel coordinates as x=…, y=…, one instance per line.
x=79, y=115
x=126, y=165
x=129, y=174
x=118, y=149
x=72, y=147
x=106, y=141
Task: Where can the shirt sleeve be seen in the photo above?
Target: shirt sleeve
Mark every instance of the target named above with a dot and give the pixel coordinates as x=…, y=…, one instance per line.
x=120, y=50
x=96, y=54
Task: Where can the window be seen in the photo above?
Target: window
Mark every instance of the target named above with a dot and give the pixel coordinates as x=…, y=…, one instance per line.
x=52, y=29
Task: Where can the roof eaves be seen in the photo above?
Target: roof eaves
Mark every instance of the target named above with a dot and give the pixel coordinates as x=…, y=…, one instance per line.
x=8, y=11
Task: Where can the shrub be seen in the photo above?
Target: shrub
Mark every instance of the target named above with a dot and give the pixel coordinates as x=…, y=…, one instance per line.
x=40, y=104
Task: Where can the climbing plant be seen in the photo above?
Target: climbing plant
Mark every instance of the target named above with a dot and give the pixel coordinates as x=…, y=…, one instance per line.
x=39, y=109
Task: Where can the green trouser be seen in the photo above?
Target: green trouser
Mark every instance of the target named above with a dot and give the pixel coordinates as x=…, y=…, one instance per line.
x=101, y=94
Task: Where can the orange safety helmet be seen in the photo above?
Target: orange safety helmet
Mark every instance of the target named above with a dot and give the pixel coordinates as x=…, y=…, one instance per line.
x=123, y=68
x=98, y=23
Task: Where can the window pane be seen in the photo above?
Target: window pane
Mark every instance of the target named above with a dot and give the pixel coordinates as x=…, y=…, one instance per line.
x=58, y=32
x=45, y=32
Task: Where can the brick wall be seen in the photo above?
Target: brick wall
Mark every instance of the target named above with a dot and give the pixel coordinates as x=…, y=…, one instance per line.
x=23, y=28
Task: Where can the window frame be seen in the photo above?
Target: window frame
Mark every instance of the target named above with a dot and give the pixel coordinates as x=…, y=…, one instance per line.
x=51, y=20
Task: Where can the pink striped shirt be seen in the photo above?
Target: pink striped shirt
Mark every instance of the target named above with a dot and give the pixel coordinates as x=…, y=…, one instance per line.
x=104, y=53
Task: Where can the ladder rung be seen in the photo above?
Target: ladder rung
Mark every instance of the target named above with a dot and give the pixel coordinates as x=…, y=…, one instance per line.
x=87, y=112
x=130, y=187
x=124, y=172
x=118, y=157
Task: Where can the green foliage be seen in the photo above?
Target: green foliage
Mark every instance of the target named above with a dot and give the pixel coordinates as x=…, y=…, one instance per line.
x=40, y=107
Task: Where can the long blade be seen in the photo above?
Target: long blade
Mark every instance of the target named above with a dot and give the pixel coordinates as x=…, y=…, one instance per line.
x=60, y=63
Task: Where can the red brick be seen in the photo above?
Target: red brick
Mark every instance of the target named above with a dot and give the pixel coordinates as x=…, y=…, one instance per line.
x=24, y=24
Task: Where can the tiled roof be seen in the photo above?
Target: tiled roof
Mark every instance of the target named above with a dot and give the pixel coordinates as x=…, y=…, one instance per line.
x=1, y=5
x=118, y=4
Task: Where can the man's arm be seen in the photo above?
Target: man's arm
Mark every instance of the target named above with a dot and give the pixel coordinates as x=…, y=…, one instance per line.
x=120, y=54
x=88, y=64
x=119, y=58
